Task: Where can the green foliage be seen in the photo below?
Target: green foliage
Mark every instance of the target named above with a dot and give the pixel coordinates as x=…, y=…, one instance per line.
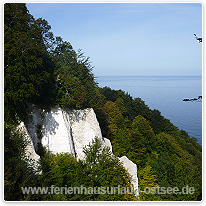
x=148, y=179
x=175, y=166
x=163, y=154
x=103, y=169
x=98, y=169
x=75, y=83
x=18, y=171
x=112, y=114
x=141, y=125
x=120, y=104
x=27, y=66
x=72, y=94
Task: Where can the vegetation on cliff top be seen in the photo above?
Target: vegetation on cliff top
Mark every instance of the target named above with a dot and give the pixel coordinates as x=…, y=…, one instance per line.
x=46, y=71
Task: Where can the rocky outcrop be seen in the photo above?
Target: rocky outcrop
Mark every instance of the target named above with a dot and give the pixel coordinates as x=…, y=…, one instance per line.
x=56, y=132
x=193, y=99
x=68, y=131
x=132, y=170
x=31, y=154
x=84, y=127
x=107, y=143
x=63, y=131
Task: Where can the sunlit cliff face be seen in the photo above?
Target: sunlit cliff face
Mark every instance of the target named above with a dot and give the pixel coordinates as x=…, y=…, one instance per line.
x=66, y=131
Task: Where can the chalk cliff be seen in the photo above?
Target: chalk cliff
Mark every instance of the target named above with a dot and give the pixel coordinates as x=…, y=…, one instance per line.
x=67, y=131
x=31, y=155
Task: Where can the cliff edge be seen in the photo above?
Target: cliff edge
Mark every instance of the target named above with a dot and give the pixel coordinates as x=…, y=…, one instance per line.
x=67, y=131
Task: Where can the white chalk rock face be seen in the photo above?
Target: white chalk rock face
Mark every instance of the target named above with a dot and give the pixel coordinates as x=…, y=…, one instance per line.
x=132, y=170
x=84, y=128
x=30, y=151
x=107, y=143
x=33, y=123
x=56, y=135
x=63, y=131
x=69, y=131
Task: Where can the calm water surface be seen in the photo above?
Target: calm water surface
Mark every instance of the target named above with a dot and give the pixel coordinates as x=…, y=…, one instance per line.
x=165, y=94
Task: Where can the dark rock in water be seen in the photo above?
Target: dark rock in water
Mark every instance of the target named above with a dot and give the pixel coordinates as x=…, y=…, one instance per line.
x=194, y=99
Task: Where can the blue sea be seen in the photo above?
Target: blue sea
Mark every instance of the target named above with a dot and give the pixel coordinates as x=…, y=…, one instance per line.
x=166, y=94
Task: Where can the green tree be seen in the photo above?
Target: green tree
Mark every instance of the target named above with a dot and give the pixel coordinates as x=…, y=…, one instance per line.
x=103, y=169
x=27, y=66
x=75, y=83
x=99, y=168
x=176, y=167
x=141, y=125
x=148, y=184
x=18, y=171
x=112, y=115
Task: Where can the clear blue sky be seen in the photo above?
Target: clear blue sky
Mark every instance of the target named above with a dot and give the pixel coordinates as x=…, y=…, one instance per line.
x=130, y=38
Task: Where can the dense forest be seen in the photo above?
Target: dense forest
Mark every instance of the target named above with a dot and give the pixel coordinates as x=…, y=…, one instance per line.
x=46, y=71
